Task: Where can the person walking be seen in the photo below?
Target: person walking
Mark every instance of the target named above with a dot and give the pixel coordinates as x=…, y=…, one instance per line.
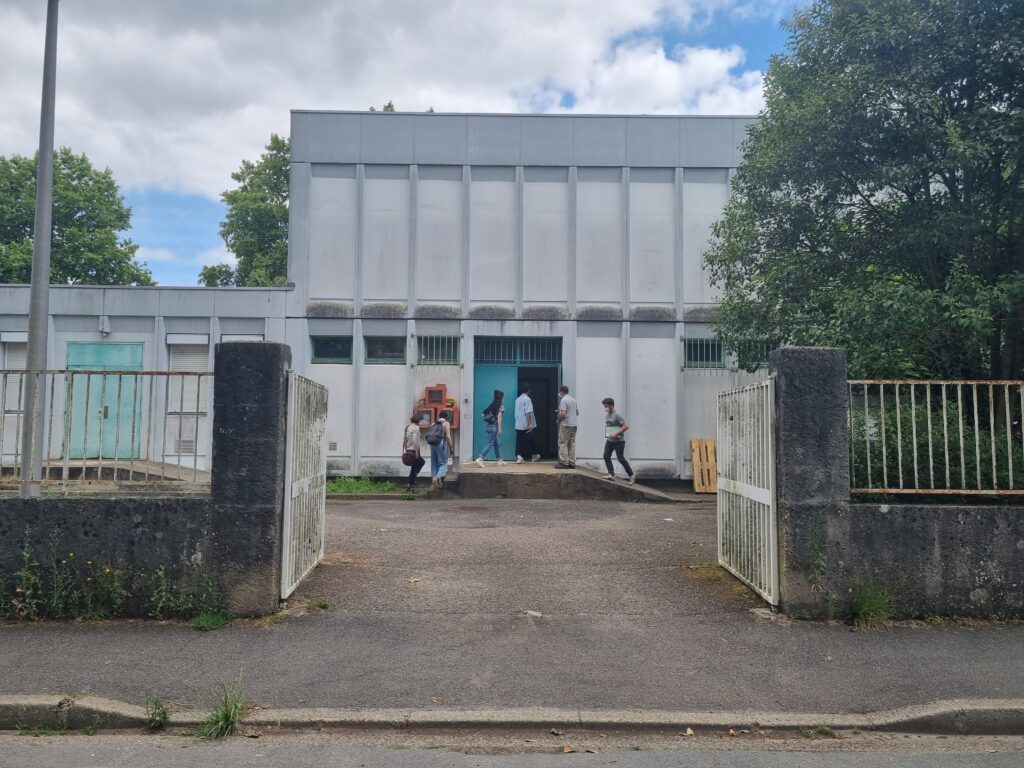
x=411, y=451
x=614, y=428
x=493, y=418
x=568, y=413
x=526, y=422
x=439, y=438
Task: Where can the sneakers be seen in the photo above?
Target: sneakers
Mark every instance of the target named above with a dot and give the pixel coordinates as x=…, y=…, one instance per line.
x=479, y=462
x=436, y=482
x=561, y=465
x=519, y=459
x=609, y=477
x=632, y=480
x=535, y=457
x=502, y=463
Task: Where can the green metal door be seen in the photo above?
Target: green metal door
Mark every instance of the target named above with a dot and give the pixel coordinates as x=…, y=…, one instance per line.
x=106, y=411
x=486, y=379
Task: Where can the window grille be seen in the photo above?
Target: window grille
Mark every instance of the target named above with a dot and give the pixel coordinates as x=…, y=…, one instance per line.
x=516, y=350
x=702, y=354
x=754, y=352
x=437, y=350
x=331, y=349
x=385, y=350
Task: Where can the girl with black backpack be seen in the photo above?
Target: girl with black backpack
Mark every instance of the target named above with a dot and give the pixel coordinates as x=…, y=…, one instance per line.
x=492, y=420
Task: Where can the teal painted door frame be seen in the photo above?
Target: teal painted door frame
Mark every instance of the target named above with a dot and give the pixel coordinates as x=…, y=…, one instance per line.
x=486, y=379
x=105, y=410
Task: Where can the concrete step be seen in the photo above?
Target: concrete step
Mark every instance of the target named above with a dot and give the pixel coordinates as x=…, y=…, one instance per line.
x=542, y=481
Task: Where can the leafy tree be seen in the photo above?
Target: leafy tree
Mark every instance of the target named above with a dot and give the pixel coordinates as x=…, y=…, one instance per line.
x=880, y=204
x=256, y=226
x=88, y=216
x=389, y=107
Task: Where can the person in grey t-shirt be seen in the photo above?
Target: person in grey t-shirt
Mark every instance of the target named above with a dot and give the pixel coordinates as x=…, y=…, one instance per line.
x=614, y=428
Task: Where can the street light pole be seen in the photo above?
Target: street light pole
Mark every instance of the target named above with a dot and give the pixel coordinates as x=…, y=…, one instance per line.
x=33, y=424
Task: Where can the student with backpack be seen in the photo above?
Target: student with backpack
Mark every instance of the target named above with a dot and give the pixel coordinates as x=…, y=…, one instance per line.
x=493, y=417
x=439, y=438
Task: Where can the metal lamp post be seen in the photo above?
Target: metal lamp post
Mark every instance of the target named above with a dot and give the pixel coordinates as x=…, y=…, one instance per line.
x=32, y=428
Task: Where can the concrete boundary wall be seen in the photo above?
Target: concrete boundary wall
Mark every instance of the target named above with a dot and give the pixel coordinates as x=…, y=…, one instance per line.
x=232, y=536
x=935, y=559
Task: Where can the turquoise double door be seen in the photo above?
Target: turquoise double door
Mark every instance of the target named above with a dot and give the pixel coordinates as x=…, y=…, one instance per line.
x=106, y=410
x=486, y=379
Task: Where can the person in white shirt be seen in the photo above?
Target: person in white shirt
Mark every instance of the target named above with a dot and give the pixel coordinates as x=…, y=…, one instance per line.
x=526, y=422
x=568, y=413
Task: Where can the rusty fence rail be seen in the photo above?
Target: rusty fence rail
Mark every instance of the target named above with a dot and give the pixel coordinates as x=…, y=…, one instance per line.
x=936, y=437
x=111, y=427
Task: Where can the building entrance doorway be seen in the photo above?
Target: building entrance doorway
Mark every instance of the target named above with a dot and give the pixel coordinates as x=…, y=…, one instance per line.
x=508, y=363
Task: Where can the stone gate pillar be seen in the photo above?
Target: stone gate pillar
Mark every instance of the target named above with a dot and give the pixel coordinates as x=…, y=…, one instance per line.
x=812, y=460
x=248, y=471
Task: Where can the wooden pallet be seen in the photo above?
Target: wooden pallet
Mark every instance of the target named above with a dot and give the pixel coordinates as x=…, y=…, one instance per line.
x=705, y=465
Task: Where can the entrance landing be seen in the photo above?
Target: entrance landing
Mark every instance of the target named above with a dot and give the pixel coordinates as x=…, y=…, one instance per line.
x=540, y=480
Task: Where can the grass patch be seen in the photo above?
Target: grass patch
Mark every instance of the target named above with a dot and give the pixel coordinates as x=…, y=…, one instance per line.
x=157, y=713
x=211, y=620
x=818, y=732
x=870, y=606
x=319, y=604
x=226, y=713
x=364, y=484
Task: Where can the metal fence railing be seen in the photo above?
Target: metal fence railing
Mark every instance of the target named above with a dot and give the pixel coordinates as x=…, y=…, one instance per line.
x=110, y=427
x=936, y=437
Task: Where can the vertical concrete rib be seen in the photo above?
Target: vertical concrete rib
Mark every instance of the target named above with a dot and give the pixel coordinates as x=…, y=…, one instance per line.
x=414, y=218
x=358, y=354
x=467, y=180
x=573, y=230
x=360, y=236
x=625, y=243
x=520, y=242
x=680, y=424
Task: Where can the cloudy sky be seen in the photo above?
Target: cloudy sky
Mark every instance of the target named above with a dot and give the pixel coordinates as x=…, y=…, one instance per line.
x=172, y=96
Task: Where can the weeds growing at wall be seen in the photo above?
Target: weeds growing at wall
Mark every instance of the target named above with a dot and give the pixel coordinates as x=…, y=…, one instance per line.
x=64, y=585
x=870, y=606
x=364, y=484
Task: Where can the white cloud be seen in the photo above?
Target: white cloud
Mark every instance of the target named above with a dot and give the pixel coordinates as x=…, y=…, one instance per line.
x=176, y=94
x=157, y=255
x=216, y=255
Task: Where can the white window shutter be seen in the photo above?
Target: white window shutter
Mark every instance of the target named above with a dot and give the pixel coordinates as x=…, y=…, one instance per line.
x=191, y=358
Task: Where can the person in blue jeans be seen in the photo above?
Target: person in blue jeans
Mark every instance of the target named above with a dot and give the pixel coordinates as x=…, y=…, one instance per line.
x=493, y=417
x=439, y=456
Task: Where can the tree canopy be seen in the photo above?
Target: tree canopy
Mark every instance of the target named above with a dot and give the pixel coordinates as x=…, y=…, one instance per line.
x=879, y=204
x=89, y=215
x=255, y=228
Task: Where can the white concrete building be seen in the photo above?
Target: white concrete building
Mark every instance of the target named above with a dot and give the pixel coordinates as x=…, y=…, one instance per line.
x=474, y=252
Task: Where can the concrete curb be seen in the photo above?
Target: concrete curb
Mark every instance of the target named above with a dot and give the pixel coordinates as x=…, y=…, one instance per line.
x=956, y=716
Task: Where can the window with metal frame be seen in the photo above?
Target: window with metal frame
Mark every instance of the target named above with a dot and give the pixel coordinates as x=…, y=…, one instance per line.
x=437, y=350
x=187, y=394
x=517, y=350
x=331, y=349
x=385, y=350
x=703, y=354
x=15, y=358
